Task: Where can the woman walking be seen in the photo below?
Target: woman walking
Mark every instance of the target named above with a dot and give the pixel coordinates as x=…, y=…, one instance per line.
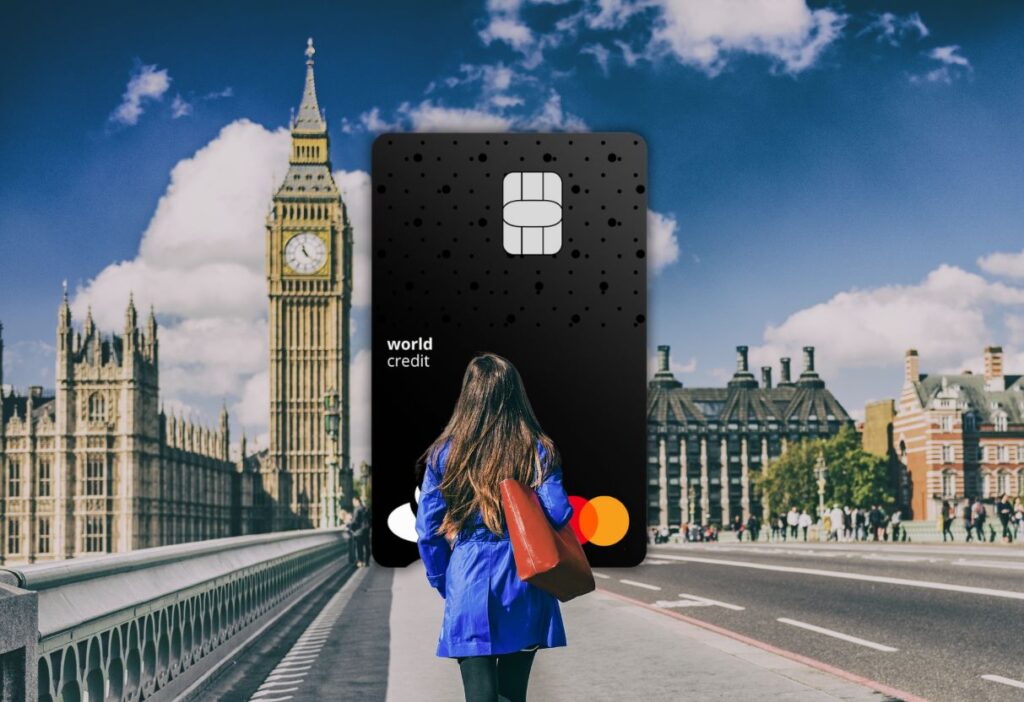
x=946, y=519
x=493, y=621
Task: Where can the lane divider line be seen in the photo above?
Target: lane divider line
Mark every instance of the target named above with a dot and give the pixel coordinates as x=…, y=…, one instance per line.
x=837, y=635
x=716, y=603
x=799, y=658
x=634, y=583
x=1004, y=681
x=883, y=579
x=601, y=575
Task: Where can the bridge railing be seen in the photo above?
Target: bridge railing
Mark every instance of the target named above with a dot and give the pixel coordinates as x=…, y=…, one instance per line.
x=133, y=626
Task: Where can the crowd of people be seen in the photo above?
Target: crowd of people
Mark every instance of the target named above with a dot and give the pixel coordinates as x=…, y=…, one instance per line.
x=975, y=518
x=837, y=524
x=1004, y=520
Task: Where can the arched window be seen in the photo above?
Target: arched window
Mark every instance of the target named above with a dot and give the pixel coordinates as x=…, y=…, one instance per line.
x=948, y=483
x=97, y=408
x=1000, y=421
x=1003, y=483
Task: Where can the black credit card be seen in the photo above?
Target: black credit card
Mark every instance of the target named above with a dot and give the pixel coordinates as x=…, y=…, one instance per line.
x=533, y=247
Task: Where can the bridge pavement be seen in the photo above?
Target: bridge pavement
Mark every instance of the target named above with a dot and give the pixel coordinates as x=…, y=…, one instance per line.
x=374, y=640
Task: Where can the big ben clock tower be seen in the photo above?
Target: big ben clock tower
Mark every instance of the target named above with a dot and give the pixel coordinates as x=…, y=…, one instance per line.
x=309, y=275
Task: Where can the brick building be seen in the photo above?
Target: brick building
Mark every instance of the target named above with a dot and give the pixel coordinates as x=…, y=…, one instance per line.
x=960, y=435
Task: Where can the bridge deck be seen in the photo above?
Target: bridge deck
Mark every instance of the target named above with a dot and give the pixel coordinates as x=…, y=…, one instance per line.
x=374, y=639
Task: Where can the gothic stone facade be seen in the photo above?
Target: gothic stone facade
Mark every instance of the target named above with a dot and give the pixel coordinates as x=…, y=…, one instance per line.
x=97, y=467
x=960, y=435
x=704, y=444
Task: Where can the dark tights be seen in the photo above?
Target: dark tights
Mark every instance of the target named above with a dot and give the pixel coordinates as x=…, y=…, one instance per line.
x=485, y=677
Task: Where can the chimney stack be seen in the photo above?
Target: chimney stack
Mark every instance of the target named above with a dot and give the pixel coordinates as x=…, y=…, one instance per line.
x=663, y=376
x=911, y=366
x=741, y=360
x=808, y=359
x=994, y=378
x=663, y=359
x=766, y=377
x=784, y=375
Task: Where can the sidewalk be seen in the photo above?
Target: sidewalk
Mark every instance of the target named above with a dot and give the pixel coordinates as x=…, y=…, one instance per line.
x=617, y=651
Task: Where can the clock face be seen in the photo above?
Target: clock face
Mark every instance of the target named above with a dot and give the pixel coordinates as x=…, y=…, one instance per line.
x=305, y=253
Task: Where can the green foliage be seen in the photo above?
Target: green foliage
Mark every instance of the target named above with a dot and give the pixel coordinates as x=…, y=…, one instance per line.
x=855, y=477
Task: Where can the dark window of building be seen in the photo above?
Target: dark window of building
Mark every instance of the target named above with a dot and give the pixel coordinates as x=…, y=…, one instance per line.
x=13, y=478
x=95, y=476
x=94, y=536
x=43, y=535
x=45, y=474
x=97, y=408
x=13, y=536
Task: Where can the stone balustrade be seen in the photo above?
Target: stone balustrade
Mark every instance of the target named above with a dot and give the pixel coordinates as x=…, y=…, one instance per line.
x=146, y=625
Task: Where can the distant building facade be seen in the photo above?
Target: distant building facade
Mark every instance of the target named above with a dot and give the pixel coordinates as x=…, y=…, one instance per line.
x=960, y=435
x=706, y=444
x=97, y=466
x=877, y=439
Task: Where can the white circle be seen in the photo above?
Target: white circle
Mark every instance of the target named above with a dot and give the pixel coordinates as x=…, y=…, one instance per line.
x=305, y=253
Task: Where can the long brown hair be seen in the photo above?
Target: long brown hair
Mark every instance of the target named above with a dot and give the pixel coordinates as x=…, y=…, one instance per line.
x=494, y=435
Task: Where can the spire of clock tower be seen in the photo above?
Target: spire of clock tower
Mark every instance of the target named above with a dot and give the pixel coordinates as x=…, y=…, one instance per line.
x=310, y=119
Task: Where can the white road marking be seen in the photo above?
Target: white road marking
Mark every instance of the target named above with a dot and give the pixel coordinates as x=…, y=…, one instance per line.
x=679, y=604
x=601, y=575
x=837, y=635
x=651, y=561
x=1005, y=681
x=716, y=603
x=989, y=564
x=925, y=584
x=291, y=669
x=634, y=583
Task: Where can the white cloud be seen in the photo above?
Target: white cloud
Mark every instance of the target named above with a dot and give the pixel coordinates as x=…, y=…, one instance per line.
x=372, y=122
x=944, y=317
x=1009, y=265
x=509, y=30
x=551, y=117
x=704, y=34
x=949, y=55
x=600, y=53
x=180, y=107
x=952, y=65
x=147, y=83
x=892, y=29
x=359, y=380
x=662, y=243
x=428, y=116
x=201, y=265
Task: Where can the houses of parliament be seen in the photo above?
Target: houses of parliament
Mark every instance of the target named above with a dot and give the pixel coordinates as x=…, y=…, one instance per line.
x=97, y=466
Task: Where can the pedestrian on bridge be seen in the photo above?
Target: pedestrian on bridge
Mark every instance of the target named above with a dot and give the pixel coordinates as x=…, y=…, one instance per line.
x=805, y=523
x=793, y=520
x=946, y=519
x=968, y=517
x=493, y=622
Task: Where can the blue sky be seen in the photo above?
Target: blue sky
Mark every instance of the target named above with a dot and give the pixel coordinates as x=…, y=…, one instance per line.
x=844, y=175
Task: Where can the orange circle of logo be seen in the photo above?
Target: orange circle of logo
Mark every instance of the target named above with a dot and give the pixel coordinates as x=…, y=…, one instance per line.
x=602, y=521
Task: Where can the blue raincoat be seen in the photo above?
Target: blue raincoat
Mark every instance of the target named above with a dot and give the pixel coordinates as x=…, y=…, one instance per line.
x=488, y=610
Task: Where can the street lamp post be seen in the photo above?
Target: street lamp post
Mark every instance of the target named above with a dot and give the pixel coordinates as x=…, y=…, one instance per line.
x=820, y=472
x=332, y=421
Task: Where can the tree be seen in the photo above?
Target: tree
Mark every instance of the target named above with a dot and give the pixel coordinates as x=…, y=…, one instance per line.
x=854, y=477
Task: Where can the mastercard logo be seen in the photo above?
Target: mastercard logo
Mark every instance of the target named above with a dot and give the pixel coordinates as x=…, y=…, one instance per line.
x=602, y=521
